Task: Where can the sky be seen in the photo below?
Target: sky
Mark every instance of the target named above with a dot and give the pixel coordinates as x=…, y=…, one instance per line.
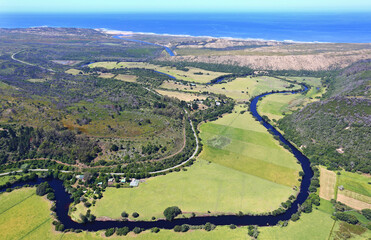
x=184, y=5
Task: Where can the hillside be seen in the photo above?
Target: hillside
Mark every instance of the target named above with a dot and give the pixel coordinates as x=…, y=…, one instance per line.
x=336, y=130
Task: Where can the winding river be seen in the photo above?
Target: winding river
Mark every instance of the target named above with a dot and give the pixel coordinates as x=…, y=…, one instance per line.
x=63, y=199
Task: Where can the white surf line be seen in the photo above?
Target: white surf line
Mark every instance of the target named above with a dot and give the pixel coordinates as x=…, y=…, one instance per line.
x=30, y=64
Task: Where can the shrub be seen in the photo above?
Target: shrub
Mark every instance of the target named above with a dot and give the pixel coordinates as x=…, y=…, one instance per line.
x=346, y=218
x=124, y=214
x=135, y=214
x=185, y=228
x=50, y=196
x=177, y=228
x=155, y=230
x=137, y=230
x=209, y=227
x=232, y=226
x=295, y=217
x=367, y=213
x=109, y=232
x=122, y=231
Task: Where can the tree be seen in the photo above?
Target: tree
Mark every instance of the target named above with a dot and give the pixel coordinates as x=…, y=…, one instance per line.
x=137, y=230
x=171, y=212
x=177, y=228
x=43, y=189
x=295, y=217
x=122, y=231
x=185, y=228
x=155, y=229
x=346, y=218
x=124, y=214
x=109, y=232
x=367, y=213
x=209, y=227
x=135, y=215
x=50, y=196
x=114, y=148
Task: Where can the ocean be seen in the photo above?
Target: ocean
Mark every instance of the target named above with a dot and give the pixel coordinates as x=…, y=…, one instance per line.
x=302, y=27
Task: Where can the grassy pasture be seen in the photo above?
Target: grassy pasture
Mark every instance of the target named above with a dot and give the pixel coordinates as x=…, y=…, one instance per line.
x=249, y=151
x=277, y=105
x=216, y=188
x=240, y=89
x=181, y=95
x=27, y=216
x=126, y=78
x=355, y=182
x=22, y=213
x=193, y=75
x=7, y=178
x=328, y=183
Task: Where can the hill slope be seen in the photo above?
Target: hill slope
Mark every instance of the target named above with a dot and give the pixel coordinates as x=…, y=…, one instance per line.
x=336, y=131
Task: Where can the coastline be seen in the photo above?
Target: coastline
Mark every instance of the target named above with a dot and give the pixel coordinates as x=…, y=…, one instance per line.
x=131, y=33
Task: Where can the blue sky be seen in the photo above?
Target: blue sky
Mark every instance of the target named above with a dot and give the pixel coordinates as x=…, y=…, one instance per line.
x=183, y=5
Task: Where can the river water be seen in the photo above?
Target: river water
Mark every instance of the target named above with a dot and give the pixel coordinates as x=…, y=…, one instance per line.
x=63, y=199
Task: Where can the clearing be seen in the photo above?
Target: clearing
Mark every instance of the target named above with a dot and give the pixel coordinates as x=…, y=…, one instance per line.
x=188, y=97
x=217, y=189
x=247, y=147
x=192, y=75
x=328, y=183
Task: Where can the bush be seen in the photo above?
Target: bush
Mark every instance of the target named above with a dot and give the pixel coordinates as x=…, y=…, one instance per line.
x=346, y=218
x=177, y=228
x=367, y=213
x=185, y=228
x=124, y=214
x=43, y=188
x=122, y=231
x=295, y=217
x=137, y=230
x=155, y=230
x=209, y=227
x=50, y=196
x=232, y=226
x=109, y=232
x=171, y=212
x=135, y=214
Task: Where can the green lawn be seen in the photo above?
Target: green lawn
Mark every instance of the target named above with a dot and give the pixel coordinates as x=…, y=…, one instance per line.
x=204, y=187
x=244, y=149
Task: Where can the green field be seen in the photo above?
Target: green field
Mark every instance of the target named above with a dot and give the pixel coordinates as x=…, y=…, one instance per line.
x=355, y=182
x=240, y=89
x=192, y=75
x=217, y=189
x=24, y=215
x=248, y=148
x=277, y=105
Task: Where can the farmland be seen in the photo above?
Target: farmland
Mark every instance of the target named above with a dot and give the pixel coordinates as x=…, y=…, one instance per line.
x=22, y=221
x=248, y=149
x=240, y=89
x=191, y=75
x=210, y=183
x=188, y=97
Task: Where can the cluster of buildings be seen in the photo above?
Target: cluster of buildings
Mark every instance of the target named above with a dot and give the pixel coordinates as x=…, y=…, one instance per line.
x=133, y=183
